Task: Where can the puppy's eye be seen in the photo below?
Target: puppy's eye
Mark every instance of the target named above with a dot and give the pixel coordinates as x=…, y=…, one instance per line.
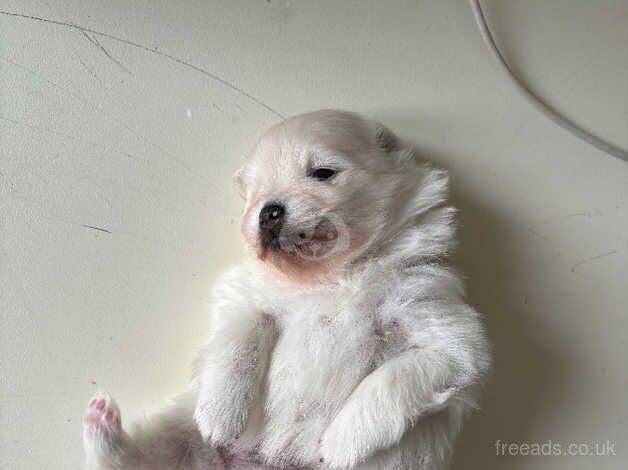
x=321, y=174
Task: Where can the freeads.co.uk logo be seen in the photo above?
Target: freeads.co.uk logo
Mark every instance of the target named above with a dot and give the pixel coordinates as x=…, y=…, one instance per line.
x=550, y=448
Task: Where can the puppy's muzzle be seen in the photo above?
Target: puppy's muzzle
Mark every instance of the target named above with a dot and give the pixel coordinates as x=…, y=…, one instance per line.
x=271, y=219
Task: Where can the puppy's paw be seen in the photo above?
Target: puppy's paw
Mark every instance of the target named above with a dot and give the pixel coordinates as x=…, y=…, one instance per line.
x=106, y=444
x=102, y=418
x=344, y=443
x=219, y=423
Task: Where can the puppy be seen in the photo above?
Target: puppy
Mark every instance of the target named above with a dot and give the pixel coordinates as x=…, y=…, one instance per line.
x=346, y=342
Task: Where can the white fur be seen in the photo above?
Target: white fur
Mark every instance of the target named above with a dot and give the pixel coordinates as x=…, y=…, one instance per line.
x=361, y=355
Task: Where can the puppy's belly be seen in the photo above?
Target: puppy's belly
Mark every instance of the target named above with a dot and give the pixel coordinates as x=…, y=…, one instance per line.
x=316, y=364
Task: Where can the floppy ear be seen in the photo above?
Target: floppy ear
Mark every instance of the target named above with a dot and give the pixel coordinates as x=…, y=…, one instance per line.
x=238, y=179
x=386, y=139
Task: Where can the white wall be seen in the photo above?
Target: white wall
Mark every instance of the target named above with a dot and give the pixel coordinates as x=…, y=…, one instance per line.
x=136, y=129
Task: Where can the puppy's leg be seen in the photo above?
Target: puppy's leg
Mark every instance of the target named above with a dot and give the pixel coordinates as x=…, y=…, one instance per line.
x=391, y=399
x=166, y=440
x=234, y=363
x=427, y=446
x=107, y=445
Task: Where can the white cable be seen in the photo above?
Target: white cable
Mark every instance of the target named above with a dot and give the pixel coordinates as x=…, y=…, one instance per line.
x=534, y=100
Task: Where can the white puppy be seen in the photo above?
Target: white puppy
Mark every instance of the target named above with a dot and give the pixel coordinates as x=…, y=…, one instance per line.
x=346, y=342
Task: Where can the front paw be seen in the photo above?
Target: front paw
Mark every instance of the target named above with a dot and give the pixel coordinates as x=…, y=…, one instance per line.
x=343, y=446
x=219, y=422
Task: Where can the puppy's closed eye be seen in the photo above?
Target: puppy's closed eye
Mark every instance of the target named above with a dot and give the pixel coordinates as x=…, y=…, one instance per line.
x=321, y=174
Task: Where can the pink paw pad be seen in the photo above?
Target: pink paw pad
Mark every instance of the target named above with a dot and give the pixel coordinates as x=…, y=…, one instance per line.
x=102, y=415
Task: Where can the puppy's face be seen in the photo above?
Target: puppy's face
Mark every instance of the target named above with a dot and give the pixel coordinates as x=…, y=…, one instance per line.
x=319, y=188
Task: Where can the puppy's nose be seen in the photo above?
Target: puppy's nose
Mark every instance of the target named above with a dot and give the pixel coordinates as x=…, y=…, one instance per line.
x=271, y=215
x=271, y=218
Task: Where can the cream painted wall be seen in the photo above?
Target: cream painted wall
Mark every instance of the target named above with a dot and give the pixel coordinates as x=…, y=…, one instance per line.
x=117, y=211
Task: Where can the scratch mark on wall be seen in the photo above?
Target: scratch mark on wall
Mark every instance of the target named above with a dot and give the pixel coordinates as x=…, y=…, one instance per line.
x=78, y=96
x=152, y=50
x=140, y=239
x=533, y=229
x=70, y=137
x=96, y=228
x=89, y=70
x=594, y=213
x=592, y=258
x=97, y=43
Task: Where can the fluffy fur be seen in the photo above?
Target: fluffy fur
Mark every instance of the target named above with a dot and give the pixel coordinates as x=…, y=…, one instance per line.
x=348, y=344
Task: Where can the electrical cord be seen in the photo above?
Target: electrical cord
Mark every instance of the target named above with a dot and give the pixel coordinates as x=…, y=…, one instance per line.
x=534, y=100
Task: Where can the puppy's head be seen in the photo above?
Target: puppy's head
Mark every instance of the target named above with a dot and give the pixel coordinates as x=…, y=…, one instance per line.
x=320, y=190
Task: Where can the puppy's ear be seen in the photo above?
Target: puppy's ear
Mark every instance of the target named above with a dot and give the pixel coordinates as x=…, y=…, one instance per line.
x=238, y=179
x=386, y=139
x=391, y=144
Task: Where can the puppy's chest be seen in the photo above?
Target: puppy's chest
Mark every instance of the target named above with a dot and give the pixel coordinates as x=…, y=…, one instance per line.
x=315, y=325
x=327, y=343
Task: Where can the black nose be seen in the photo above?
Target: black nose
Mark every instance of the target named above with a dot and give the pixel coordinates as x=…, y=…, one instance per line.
x=271, y=218
x=271, y=215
